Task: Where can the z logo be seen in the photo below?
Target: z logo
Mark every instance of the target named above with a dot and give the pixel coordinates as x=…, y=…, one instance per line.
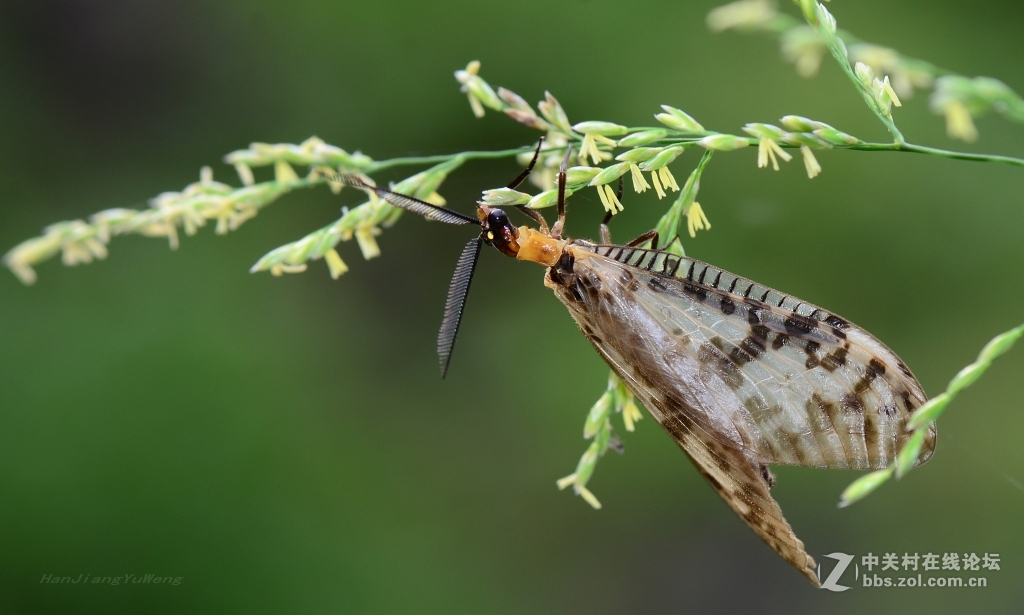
x=842, y=562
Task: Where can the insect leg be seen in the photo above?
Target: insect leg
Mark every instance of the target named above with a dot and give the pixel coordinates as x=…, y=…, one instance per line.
x=606, y=235
x=556, y=230
x=535, y=216
x=529, y=168
x=651, y=235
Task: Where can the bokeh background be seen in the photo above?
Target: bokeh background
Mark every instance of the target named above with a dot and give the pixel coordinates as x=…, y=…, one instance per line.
x=285, y=444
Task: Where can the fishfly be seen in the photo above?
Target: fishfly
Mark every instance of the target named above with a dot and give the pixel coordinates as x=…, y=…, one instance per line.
x=740, y=375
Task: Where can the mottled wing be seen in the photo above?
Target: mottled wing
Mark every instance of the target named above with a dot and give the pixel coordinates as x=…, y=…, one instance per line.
x=740, y=375
x=741, y=481
x=798, y=385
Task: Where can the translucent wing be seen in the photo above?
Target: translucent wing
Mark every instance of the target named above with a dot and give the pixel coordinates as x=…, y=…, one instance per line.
x=404, y=201
x=457, y=293
x=740, y=375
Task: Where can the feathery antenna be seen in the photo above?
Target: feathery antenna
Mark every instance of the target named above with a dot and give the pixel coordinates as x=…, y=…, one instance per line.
x=457, y=292
x=406, y=202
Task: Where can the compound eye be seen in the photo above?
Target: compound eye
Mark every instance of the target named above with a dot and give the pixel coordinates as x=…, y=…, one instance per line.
x=497, y=221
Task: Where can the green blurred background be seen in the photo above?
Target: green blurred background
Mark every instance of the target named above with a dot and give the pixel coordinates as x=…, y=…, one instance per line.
x=285, y=444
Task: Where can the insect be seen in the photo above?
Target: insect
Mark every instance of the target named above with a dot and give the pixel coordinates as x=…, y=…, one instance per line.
x=740, y=375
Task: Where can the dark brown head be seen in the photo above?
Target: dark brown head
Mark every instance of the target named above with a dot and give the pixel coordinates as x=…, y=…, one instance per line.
x=498, y=231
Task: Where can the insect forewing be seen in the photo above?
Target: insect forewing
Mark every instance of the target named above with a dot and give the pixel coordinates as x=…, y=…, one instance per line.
x=740, y=375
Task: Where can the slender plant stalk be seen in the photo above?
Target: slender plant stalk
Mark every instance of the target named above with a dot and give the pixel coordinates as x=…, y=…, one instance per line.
x=423, y=160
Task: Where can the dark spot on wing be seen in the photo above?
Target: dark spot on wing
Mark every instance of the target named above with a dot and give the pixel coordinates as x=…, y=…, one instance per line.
x=676, y=409
x=767, y=476
x=753, y=315
x=811, y=348
x=761, y=332
x=780, y=340
x=753, y=346
x=656, y=285
x=907, y=403
x=816, y=402
x=874, y=369
x=699, y=292
x=727, y=306
x=627, y=280
x=748, y=350
x=835, y=360
x=740, y=357
x=713, y=356
x=800, y=325
x=852, y=403
x=836, y=322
